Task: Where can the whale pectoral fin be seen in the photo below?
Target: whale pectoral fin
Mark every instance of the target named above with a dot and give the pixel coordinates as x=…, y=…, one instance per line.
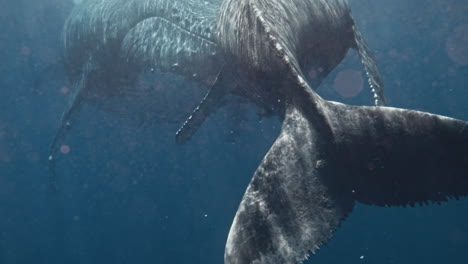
x=370, y=67
x=71, y=111
x=208, y=105
x=289, y=208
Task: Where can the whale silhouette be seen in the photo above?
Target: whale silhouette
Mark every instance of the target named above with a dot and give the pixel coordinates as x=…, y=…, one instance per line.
x=328, y=155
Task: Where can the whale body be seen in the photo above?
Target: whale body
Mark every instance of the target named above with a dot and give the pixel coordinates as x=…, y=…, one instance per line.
x=322, y=35
x=328, y=155
x=154, y=60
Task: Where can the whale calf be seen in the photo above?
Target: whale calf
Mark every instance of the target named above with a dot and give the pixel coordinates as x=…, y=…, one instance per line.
x=328, y=155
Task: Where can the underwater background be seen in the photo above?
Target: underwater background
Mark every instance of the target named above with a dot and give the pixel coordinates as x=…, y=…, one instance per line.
x=130, y=194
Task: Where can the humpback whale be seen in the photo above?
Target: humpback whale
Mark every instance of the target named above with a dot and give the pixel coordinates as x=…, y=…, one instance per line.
x=111, y=45
x=328, y=155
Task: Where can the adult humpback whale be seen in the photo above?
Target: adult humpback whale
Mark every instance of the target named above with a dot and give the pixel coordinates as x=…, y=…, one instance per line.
x=109, y=43
x=311, y=177
x=328, y=155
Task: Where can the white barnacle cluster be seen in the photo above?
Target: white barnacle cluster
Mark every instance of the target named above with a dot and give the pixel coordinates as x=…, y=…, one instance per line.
x=301, y=81
x=278, y=47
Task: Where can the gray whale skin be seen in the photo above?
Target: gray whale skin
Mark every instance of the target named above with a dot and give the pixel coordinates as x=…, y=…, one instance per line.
x=328, y=155
x=109, y=44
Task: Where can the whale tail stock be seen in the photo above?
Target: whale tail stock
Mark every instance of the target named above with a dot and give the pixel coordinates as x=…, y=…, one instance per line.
x=311, y=177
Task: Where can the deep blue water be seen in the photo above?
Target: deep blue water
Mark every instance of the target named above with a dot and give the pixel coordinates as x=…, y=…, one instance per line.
x=129, y=194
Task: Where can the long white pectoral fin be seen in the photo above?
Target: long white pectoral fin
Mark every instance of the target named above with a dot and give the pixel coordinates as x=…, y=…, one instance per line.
x=210, y=103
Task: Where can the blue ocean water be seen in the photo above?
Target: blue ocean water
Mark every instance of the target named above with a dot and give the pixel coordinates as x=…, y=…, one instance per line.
x=129, y=194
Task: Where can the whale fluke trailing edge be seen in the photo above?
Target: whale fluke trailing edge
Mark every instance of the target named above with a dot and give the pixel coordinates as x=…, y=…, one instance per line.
x=328, y=155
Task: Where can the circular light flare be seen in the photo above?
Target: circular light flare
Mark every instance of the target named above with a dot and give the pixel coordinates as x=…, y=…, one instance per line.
x=312, y=73
x=348, y=83
x=65, y=149
x=25, y=51
x=64, y=90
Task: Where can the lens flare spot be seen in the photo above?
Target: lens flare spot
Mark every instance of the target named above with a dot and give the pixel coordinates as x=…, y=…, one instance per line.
x=348, y=83
x=65, y=149
x=312, y=73
x=64, y=90
x=456, y=45
x=25, y=51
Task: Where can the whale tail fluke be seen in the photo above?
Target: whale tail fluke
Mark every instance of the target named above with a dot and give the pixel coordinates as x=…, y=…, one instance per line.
x=289, y=208
x=310, y=178
x=401, y=157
